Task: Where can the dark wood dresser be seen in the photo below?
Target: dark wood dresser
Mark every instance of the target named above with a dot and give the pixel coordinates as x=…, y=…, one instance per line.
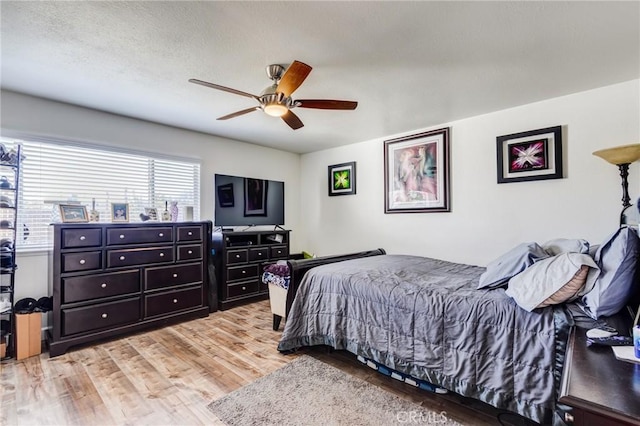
x=601, y=390
x=111, y=279
x=239, y=259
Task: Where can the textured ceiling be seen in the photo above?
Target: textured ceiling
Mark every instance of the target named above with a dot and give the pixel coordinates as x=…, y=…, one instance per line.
x=410, y=65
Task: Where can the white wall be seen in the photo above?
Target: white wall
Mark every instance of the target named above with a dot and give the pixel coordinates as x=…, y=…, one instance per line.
x=486, y=218
x=37, y=116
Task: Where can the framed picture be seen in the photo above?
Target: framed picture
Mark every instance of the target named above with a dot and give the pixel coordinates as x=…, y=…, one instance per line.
x=342, y=179
x=532, y=155
x=255, y=197
x=225, y=195
x=152, y=212
x=73, y=213
x=119, y=212
x=416, y=173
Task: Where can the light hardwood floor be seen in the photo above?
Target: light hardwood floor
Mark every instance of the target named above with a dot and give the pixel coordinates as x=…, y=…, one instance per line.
x=167, y=376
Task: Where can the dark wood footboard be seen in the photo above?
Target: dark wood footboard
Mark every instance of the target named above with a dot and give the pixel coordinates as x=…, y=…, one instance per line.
x=297, y=269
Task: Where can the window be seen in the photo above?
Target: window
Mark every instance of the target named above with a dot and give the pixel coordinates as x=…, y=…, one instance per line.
x=55, y=172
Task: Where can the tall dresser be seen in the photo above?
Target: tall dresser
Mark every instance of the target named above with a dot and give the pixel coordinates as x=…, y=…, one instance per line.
x=112, y=279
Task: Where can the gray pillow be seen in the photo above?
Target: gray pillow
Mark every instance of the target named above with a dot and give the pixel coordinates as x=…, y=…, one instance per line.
x=551, y=281
x=511, y=263
x=616, y=257
x=566, y=245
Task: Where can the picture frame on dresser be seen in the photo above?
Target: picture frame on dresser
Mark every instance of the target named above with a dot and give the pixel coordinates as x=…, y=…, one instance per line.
x=119, y=212
x=73, y=213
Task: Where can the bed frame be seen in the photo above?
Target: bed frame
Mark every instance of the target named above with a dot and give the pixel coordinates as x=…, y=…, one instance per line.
x=622, y=320
x=297, y=269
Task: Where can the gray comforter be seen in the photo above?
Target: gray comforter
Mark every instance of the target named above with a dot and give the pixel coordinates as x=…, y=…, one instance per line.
x=424, y=317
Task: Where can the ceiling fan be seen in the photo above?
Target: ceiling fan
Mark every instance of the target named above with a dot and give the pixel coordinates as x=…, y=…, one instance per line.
x=276, y=99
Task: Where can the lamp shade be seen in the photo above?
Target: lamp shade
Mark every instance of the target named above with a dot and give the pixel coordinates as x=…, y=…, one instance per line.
x=624, y=154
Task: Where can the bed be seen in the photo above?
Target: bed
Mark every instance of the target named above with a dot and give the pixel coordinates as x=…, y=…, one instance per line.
x=427, y=318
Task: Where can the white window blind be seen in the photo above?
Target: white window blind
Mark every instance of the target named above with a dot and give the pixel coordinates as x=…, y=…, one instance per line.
x=55, y=173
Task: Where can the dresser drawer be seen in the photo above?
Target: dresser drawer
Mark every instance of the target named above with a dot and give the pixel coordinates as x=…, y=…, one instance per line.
x=85, y=261
x=244, y=272
x=168, y=276
x=104, y=315
x=189, y=233
x=85, y=237
x=190, y=252
x=88, y=287
x=237, y=256
x=258, y=254
x=279, y=252
x=142, y=256
x=241, y=289
x=119, y=236
x=172, y=301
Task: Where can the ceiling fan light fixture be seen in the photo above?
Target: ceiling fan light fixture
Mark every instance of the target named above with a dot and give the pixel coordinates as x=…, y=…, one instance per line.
x=275, y=109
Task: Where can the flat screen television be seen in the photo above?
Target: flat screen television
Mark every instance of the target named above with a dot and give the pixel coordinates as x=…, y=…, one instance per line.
x=244, y=201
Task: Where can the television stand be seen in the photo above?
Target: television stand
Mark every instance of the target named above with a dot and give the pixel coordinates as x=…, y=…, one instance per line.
x=239, y=260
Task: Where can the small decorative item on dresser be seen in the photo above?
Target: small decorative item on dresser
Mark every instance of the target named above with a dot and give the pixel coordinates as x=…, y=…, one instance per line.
x=151, y=212
x=119, y=212
x=73, y=213
x=94, y=215
x=174, y=211
x=166, y=216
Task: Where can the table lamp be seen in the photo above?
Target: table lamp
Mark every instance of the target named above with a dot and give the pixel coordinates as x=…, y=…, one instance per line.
x=622, y=156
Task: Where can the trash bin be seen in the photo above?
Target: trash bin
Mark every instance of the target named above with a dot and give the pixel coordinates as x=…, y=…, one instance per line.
x=276, y=276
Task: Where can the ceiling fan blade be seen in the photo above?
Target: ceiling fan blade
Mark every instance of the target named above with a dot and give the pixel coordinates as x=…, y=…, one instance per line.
x=292, y=120
x=238, y=113
x=293, y=77
x=223, y=88
x=326, y=104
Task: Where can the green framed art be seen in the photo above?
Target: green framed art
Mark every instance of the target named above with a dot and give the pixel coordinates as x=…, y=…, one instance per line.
x=342, y=179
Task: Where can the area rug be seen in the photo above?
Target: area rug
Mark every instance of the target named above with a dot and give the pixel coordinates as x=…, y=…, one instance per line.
x=309, y=392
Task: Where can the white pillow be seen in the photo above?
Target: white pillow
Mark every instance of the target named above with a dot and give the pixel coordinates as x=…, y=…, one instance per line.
x=511, y=263
x=565, y=245
x=550, y=281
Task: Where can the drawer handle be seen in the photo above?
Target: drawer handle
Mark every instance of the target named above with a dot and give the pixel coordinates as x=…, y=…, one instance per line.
x=121, y=257
x=104, y=315
x=103, y=285
x=161, y=254
x=237, y=256
x=279, y=252
x=122, y=236
x=189, y=233
x=161, y=235
x=82, y=261
x=175, y=300
x=244, y=272
x=82, y=238
x=259, y=254
x=244, y=288
x=175, y=275
x=190, y=252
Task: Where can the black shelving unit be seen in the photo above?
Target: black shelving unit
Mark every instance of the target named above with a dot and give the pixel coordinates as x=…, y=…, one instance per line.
x=9, y=185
